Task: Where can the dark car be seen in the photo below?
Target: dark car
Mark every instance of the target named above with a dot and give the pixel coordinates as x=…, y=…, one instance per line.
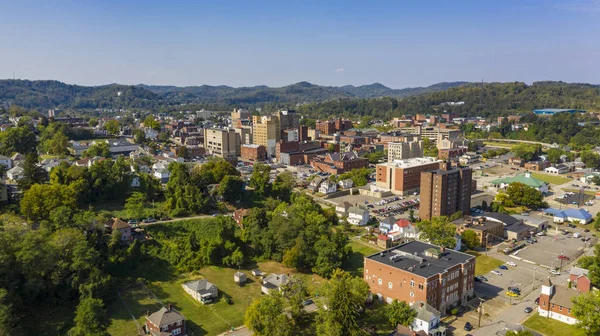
x=503, y=267
x=586, y=230
x=528, y=310
x=572, y=226
x=537, y=301
x=307, y=302
x=468, y=326
x=482, y=278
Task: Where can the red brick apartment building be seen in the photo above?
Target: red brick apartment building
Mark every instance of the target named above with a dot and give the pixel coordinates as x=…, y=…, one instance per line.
x=329, y=127
x=417, y=271
x=254, y=152
x=336, y=163
x=403, y=177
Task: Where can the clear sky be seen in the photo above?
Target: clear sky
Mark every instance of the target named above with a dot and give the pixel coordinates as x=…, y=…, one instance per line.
x=399, y=43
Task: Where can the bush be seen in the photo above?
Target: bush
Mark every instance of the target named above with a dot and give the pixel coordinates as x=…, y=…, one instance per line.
x=454, y=311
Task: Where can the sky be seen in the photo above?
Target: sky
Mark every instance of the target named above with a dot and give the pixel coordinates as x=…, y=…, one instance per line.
x=399, y=43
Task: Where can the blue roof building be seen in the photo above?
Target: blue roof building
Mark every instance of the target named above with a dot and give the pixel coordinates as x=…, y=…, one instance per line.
x=551, y=111
x=581, y=216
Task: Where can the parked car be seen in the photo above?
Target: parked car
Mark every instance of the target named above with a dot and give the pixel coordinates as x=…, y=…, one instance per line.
x=511, y=263
x=307, y=302
x=537, y=301
x=468, y=326
x=511, y=293
x=554, y=272
x=496, y=272
x=502, y=267
x=149, y=220
x=132, y=222
x=528, y=310
x=572, y=225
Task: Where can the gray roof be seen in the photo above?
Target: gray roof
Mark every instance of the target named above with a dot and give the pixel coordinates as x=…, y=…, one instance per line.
x=201, y=286
x=425, y=311
x=276, y=280
x=578, y=271
x=388, y=221
x=517, y=227
x=356, y=210
x=412, y=254
x=504, y=218
x=165, y=317
x=562, y=296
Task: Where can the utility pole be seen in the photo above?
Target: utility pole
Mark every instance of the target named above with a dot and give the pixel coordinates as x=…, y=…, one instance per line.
x=533, y=281
x=480, y=312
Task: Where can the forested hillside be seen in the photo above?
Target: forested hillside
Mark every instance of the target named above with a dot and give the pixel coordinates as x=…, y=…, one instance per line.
x=487, y=99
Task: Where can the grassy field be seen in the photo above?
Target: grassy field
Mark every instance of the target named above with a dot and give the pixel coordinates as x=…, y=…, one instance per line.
x=549, y=327
x=484, y=264
x=202, y=319
x=552, y=179
x=355, y=262
x=492, y=143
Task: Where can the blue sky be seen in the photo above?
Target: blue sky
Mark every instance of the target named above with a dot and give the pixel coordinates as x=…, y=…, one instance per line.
x=398, y=43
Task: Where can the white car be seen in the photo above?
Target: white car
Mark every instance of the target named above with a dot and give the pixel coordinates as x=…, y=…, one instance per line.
x=554, y=272
x=496, y=272
x=511, y=263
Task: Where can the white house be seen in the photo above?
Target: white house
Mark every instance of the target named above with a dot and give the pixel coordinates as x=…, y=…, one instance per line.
x=358, y=216
x=274, y=281
x=162, y=174
x=587, y=178
x=201, y=290
x=346, y=184
x=557, y=169
x=327, y=187
x=342, y=208
x=15, y=173
x=427, y=319
x=6, y=161
x=403, y=228
x=135, y=181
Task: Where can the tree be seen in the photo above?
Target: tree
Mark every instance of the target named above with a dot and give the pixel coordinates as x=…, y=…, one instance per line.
x=151, y=123
x=330, y=148
x=585, y=309
x=93, y=122
x=469, y=238
x=596, y=180
x=18, y=140
x=344, y=296
x=295, y=292
x=135, y=205
x=39, y=201
x=183, y=152
x=231, y=188
x=259, y=180
x=399, y=312
x=519, y=194
x=359, y=176
x=284, y=185
x=527, y=151
x=90, y=318
x=32, y=173
x=429, y=148
x=112, y=127
x=58, y=144
x=100, y=148
x=554, y=155
x=266, y=317
x=438, y=231
x=213, y=171
x=590, y=159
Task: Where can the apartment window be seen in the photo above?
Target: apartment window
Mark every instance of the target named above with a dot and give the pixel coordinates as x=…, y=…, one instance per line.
x=176, y=331
x=559, y=308
x=569, y=310
x=412, y=294
x=379, y=281
x=553, y=306
x=412, y=283
x=420, y=286
x=390, y=285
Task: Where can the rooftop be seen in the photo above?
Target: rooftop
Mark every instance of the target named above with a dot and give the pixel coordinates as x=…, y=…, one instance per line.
x=526, y=179
x=500, y=217
x=572, y=213
x=413, y=258
x=414, y=162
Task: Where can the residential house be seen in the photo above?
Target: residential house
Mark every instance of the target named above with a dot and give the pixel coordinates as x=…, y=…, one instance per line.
x=6, y=161
x=556, y=302
x=122, y=227
x=166, y=322
x=17, y=157
x=342, y=208
x=346, y=184
x=239, y=277
x=387, y=224
x=15, y=173
x=579, y=279
x=160, y=171
x=384, y=241
x=537, y=165
x=557, y=169
x=327, y=187
x=201, y=290
x=274, y=281
x=48, y=164
x=581, y=216
x=358, y=216
x=405, y=228
x=315, y=183
x=427, y=319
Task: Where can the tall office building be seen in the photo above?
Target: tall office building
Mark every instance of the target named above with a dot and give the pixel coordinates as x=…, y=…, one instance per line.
x=266, y=132
x=239, y=114
x=445, y=191
x=224, y=143
x=405, y=150
x=288, y=119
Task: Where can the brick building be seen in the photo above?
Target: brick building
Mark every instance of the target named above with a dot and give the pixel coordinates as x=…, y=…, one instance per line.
x=451, y=153
x=486, y=231
x=254, y=152
x=445, y=191
x=166, y=321
x=403, y=177
x=336, y=163
x=326, y=127
x=556, y=303
x=417, y=271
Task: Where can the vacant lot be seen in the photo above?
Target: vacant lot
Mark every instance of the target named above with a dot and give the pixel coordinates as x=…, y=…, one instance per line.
x=552, y=179
x=355, y=262
x=484, y=264
x=549, y=327
x=210, y=319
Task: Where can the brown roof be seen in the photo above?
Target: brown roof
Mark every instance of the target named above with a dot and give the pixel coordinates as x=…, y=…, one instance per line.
x=119, y=224
x=406, y=331
x=563, y=295
x=165, y=317
x=547, y=282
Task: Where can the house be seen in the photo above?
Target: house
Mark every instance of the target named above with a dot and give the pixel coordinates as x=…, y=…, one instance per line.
x=201, y=290
x=18, y=157
x=384, y=241
x=579, y=279
x=48, y=164
x=342, y=209
x=327, y=187
x=315, y=183
x=587, y=178
x=406, y=331
x=15, y=173
x=258, y=273
x=5, y=161
x=358, y=216
x=525, y=179
x=387, y=224
x=162, y=174
x=556, y=303
x=239, y=278
x=581, y=216
x=346, y=184
x=122, y=227
x=274, y=281
x=515, y=161
x=557, y=169
x=405, y=228
x=427, y=319
x=166, y=322
x=537, y=165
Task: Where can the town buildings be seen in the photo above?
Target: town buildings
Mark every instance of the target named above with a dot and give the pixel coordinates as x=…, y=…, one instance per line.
x=336, y=163
x=254, y=152
x=166, y=322
x=445, y=191
x=266, y=132
x=403, y=177
x=417, y=271
x=222, y=142
x=405, y=150
x=238, y=115
x=487, y=231
x=556, y=302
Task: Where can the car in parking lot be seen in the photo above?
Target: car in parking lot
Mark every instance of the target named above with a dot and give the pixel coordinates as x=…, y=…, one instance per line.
x=132, y=222
x=480, y=278
x=468, y=326
x=502, y=267
x=554, y=272
x=511, y=293
x=511, y=263
x=496, y=272
x=585, y=239
x=528, y=310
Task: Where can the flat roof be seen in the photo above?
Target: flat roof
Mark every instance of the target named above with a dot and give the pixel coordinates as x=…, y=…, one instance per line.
x=414, y=162
x=411, y=255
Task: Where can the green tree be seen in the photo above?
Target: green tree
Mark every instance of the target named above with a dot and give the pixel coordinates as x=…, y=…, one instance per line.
x=527, y=151
x=284, y=185
x=39, y=201
x=519, y=333
x=585, y=310
x=32, y=173
x=135, y=205
x=90, y=318
x=58, y=145
x=596, y=180
x=438, y=231
x=344, y=297
x=399, y=312
x=469, y=238
x=295, y=292
x=100, y=148
x=151, y=123
x=259, y=180
x=519, y=194
x=213, y=171
x=18, y=140
x=183, y=152
x=429, y=148
x=554, y=155
x=112, y=126
x=265, y=316
x=93, y=122
x=231, y=188
x=590, y=159
x=359, y=176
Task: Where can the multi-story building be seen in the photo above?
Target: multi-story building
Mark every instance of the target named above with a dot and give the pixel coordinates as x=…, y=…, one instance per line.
x=404, y=150
x=222, y=142
x=445, y=191
x=314, y=134
x=302, y=133
x=266, y=132
x=556, y=302
x=239, y=114
x=288, y=119
x=432, y=132
x=417, y=271
x=403, y=177
x=487, y=231
x=326, y=127
x=254, y=152
x=166, y=321
x=336, y=163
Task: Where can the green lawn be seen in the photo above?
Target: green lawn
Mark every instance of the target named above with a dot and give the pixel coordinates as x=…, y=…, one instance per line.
x=484, y=263
x=549, y=327
x=499, y=144
x=355, y=262
x=211, y=319
x=552, y=179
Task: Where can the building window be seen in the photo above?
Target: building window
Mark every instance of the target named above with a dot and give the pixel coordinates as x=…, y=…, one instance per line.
x=553, y=306
x=176, y=331
x=412, y=294
x=412, y=283
x=544, y=304
x=569, y=311
x=379, y=281
x=420, y=286
x=559, y=308
x=390, y=285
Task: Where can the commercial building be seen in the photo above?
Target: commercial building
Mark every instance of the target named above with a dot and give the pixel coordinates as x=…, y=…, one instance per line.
x=254, y=152
x=329, y=127
x=445, y=191
x=417, y=271
x=222, y=142
x=487, y=232
x=405, y=150
x=239, y=114
x=433, y=132
x=525, y=179
x=288, y=119
x=403, y=177
x=336, y=163
x=266, y=132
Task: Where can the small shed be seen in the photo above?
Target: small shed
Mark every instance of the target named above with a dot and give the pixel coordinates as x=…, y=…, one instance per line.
x=258, y=273
x=239, y=278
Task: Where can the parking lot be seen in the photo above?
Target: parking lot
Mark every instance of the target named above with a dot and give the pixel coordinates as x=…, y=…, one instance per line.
x=546, y=251
x=382, y=207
